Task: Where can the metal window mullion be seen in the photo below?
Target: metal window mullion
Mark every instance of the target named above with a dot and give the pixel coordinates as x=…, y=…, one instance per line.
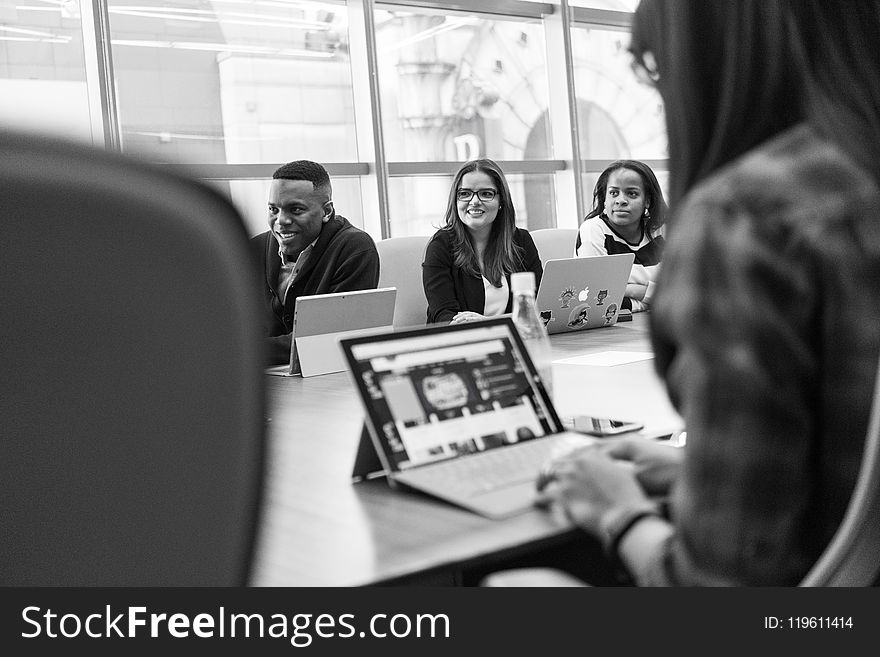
x=449, y=167
x=100, y=83
x=572, y=111
x=262, y=171
x=599, y=17
x=376, y=112
x=597, y=166
x=509, y=8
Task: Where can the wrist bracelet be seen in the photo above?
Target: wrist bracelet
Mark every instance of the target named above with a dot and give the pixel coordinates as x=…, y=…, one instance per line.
x=618, y=527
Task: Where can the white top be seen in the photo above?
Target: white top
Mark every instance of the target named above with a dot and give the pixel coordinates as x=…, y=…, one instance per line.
x=496, y=298
x=595, y=234
x=523, y=281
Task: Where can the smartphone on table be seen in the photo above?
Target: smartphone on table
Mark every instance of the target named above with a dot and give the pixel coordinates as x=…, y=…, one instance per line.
x=600, y=426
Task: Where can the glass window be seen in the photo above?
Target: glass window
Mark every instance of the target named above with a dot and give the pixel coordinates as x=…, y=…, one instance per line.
x=258, y=82
x=418, y=203
x=455, y=86
x=42, y=68
x=250, y=197
x=618, y=117
x=234, y=81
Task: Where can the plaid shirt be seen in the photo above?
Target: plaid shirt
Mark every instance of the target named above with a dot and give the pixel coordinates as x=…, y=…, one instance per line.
x=766, y=329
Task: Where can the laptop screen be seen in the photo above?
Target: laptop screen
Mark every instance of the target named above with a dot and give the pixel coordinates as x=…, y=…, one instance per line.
x=444, y=391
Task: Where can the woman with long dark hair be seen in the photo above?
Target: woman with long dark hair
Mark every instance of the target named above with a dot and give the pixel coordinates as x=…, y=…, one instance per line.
x=468, y=262
x=766, y=320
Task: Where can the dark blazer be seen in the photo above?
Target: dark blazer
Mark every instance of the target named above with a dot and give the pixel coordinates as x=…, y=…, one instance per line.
x=450, y=290
x=343, y=259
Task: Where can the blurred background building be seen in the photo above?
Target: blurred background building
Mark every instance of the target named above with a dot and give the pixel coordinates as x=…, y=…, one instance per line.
x=390, y=96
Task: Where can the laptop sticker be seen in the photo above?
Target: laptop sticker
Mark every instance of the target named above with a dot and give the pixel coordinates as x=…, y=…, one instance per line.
x=547, y=316
x=566, y=296
x=610, y=313
x=579, y=316
x=601, y=297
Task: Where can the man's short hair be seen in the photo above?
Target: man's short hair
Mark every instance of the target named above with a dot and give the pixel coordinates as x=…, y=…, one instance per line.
x=305, y=170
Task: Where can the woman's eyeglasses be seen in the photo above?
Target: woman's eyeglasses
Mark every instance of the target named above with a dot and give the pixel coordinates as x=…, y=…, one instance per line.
x=644, y=67
x=464, y=194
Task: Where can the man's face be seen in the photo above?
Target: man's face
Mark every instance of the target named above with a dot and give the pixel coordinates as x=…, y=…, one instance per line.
x=296, y=212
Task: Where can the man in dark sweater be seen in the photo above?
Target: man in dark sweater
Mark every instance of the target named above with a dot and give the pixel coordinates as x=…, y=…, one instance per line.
x=308, y=249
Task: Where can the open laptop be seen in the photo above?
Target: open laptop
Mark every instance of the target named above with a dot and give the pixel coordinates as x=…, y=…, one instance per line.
x=458, y=412
x=583, y=293
x=319, y=321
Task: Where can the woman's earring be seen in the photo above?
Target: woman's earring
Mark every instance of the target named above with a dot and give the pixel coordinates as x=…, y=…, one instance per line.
x=647, y=214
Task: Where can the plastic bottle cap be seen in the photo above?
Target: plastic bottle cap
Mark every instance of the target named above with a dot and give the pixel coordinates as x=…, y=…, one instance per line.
x=522, y=281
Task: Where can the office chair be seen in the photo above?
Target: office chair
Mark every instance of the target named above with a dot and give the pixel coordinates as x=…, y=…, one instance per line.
x=400, y=266
x=132, y=401
x=852, y=557
x=555, y=243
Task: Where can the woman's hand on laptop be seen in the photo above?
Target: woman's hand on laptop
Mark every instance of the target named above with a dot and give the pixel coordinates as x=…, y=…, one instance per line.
x=655, y=465
x=590, y=487
x=466, y=316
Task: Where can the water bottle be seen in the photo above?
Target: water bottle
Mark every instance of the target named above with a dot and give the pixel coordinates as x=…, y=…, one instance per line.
x=530, y=325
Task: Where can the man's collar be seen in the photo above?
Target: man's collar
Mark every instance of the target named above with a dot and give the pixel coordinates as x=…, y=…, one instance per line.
x=285, y=263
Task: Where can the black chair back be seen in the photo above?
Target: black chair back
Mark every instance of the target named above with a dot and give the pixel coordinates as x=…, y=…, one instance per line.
x=132, y=405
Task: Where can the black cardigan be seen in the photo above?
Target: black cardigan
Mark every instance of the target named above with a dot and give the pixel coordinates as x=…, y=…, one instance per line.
x=450, y=290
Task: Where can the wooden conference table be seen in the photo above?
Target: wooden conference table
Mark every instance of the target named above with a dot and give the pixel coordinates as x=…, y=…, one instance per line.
x=319, y=529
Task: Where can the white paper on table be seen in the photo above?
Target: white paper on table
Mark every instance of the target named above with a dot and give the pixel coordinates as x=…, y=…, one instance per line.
x=607, y=358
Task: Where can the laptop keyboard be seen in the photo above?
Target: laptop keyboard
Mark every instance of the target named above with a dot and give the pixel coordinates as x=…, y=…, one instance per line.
x=486, y=471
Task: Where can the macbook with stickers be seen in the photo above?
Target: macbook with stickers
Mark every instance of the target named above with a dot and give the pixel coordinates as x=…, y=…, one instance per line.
x=458, y=412
x=583, y=293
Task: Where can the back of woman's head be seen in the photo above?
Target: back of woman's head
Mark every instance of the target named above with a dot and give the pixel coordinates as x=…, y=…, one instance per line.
x=726, y=76
x=657, y=208
x=835, y=44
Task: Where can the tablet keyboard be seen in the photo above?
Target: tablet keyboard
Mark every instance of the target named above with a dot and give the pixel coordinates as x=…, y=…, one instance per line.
x=486, y=471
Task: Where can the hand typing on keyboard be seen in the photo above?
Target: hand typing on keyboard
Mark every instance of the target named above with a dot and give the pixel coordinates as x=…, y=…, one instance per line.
x=589, y=486
x=582, y=479
x=567, y=443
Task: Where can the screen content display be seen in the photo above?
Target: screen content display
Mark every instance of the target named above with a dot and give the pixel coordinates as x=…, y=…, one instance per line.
x=443, y=394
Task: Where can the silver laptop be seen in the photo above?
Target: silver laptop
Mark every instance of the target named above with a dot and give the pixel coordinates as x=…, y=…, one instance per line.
x=583, y=293
x=458, y=412
x=320, y=320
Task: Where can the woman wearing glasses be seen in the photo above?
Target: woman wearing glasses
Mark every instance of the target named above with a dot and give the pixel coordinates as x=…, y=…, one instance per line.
x=468, y=262
x=766, y=322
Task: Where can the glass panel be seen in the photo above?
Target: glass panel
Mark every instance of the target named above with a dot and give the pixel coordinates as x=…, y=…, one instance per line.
x=234, y=81
x=418, y=203
x=249, y=197
x=42, y=68
x=618, y=117
x=457, y=86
